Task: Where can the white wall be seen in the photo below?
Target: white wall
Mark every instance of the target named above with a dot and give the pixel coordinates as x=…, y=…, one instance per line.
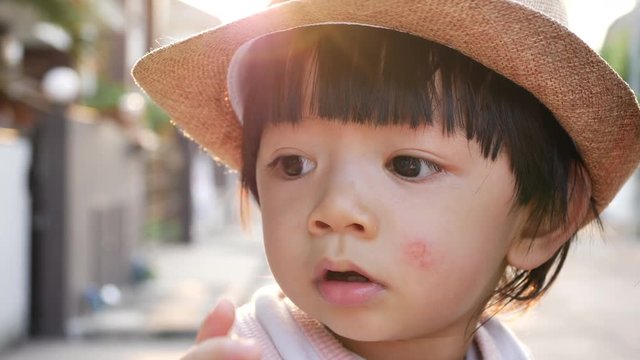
x=623, y=214
x=105, y=207
x=15, y=158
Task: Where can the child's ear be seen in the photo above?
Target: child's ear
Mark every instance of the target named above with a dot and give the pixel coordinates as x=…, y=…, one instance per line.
x=535, y=245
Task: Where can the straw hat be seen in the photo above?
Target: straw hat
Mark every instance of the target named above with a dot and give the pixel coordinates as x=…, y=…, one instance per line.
x=527, y=41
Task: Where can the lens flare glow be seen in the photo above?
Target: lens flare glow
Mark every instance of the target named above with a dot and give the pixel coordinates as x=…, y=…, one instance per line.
x=228, y=10
x=591, y=19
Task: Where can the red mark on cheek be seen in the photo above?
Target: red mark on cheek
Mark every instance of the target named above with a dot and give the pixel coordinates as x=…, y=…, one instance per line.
x=417, y=252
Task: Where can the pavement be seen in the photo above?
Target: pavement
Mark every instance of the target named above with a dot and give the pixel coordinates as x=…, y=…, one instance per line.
x=592, y=312
x=188, y=280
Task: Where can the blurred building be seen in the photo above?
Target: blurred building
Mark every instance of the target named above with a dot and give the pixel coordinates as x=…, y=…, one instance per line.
x=73, y=156
x=75, y=176
x=89, y=169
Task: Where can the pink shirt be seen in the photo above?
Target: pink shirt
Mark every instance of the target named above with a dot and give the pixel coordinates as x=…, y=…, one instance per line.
x=285, y=332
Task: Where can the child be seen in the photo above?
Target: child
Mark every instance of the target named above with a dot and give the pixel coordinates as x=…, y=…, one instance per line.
x=419, y=166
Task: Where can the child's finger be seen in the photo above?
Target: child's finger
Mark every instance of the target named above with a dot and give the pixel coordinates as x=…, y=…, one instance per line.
x=221, y=348
x=218, y=322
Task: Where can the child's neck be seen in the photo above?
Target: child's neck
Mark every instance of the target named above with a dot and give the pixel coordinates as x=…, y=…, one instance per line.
x=440, y=348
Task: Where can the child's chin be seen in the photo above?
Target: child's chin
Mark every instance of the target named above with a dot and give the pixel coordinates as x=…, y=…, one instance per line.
x=357, y=336
x=357, y=332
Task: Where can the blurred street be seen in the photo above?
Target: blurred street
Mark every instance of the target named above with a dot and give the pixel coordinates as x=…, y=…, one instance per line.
x=159, y=319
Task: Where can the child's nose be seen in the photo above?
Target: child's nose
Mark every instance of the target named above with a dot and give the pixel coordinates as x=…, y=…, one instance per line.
x=344, y=211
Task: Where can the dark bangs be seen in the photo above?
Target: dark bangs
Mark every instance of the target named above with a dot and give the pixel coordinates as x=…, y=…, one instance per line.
x=365, y=75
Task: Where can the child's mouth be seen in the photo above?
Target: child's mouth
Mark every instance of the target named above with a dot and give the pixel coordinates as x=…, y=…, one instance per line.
x=345, y=284
x=346, y=276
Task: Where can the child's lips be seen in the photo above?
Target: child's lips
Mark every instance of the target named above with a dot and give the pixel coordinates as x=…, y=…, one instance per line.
x=325, y=266
x=345, y=284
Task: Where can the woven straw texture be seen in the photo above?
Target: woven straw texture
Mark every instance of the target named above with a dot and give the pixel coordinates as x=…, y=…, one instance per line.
x=525, y=40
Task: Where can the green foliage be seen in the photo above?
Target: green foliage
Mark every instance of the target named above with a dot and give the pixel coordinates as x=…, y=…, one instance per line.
x=163, y=230
x=615, y=50
x=107, y=96
x=156, y=119
x=68, y=14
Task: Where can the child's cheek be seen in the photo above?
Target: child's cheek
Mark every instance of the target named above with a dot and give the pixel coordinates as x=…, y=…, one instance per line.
x=417, y=252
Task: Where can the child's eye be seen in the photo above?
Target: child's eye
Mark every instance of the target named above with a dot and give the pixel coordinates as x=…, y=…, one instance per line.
x=412, y=167
x=293, y=166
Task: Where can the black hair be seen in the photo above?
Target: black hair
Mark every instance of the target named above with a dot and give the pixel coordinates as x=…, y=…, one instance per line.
x=365, y=75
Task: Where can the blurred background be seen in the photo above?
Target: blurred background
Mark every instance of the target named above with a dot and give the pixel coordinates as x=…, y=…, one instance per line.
x=117, y=234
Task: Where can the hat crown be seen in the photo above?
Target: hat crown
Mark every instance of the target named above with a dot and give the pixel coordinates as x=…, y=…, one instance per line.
x=552, y=8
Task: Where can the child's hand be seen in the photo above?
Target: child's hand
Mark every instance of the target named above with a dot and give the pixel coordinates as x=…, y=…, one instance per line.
x=213, y=342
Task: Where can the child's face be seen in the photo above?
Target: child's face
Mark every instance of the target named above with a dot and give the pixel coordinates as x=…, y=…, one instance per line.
x=424, y=216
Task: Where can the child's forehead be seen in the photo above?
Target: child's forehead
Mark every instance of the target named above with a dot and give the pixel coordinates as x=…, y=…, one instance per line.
x=312, y=127
x=310, y=122
x=357, y=67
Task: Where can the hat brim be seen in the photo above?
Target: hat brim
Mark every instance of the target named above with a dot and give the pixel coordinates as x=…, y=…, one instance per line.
x=188, y=79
